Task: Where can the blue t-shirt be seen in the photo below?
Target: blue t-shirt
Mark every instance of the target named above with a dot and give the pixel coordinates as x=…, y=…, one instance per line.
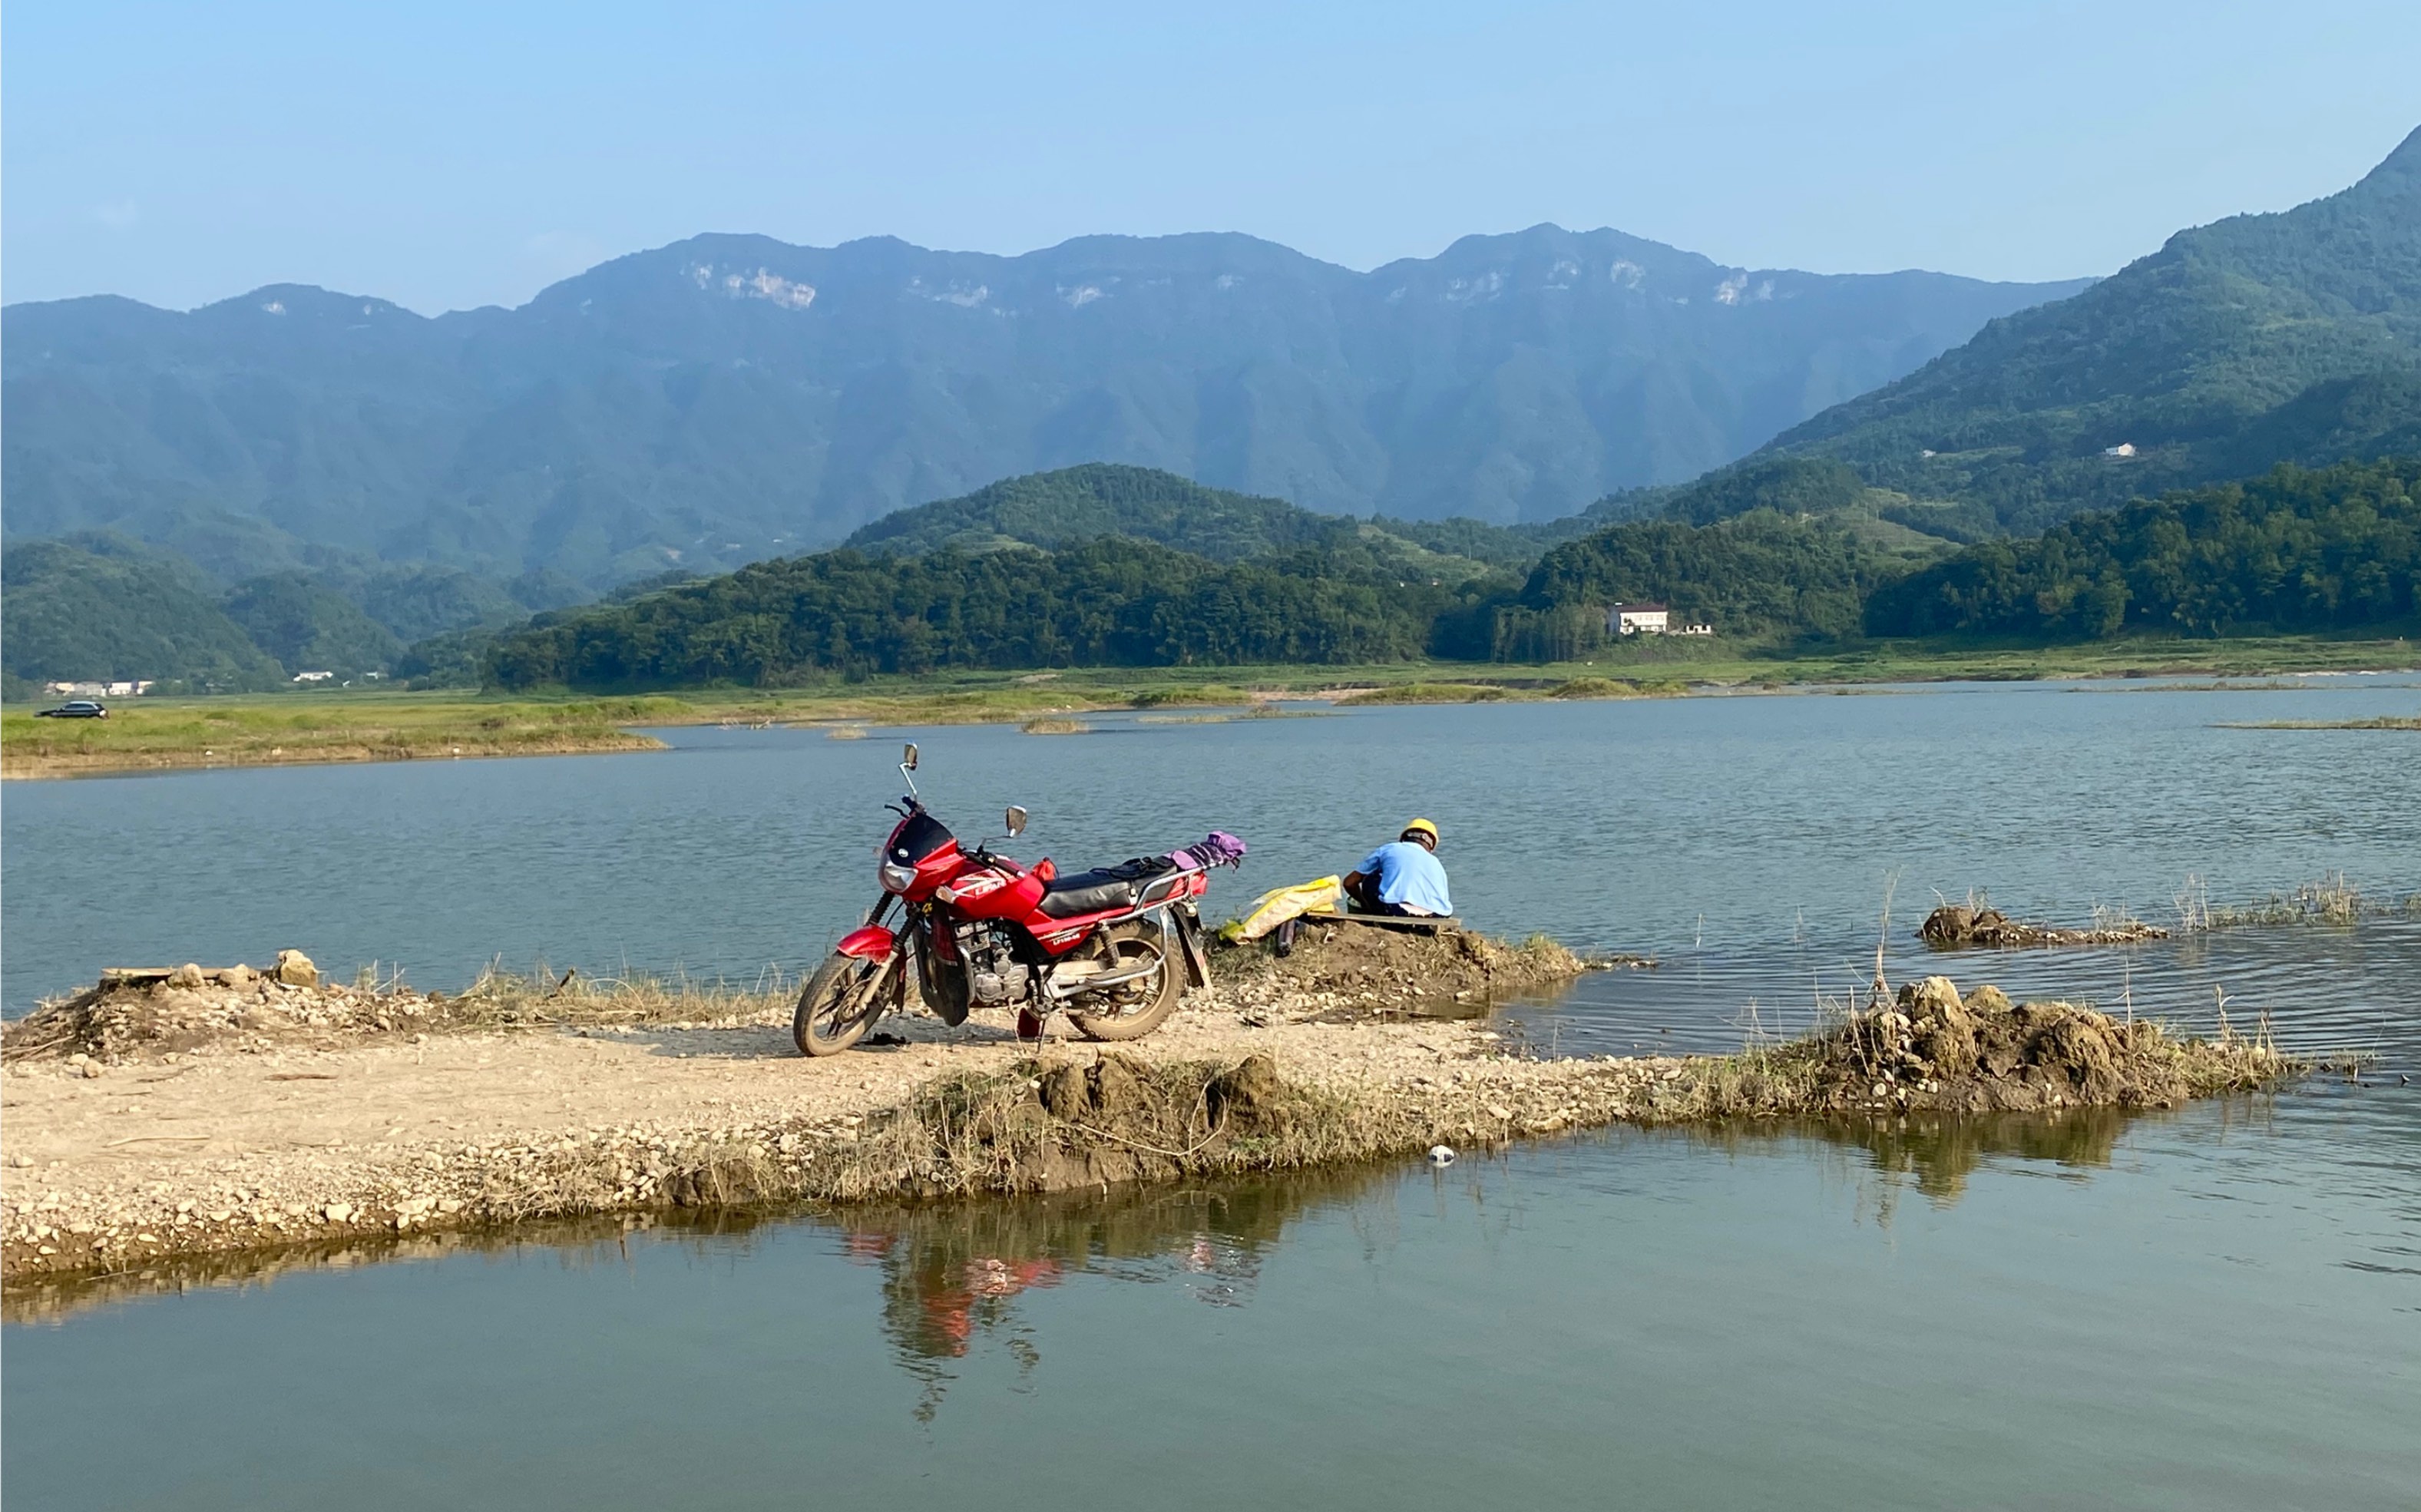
x=1408, y=873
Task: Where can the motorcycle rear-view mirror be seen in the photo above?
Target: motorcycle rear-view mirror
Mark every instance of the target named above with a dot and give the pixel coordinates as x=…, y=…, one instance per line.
x=908, y=756
x=1016, y=821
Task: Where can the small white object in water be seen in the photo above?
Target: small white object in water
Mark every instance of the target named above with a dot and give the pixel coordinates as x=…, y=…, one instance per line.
x=1441, y=1155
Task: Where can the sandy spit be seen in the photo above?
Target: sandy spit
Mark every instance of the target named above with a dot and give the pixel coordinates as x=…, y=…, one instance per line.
x=241, y=1145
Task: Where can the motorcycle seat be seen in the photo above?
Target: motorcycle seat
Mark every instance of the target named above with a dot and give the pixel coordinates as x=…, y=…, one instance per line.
x=1087, y=891
x=1103, y=887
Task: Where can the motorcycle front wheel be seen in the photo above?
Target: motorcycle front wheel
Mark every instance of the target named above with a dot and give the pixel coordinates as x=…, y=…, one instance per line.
x=841, y=1002
x=1132, y=1009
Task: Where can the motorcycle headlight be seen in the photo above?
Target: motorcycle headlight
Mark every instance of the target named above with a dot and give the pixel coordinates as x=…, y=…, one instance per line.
x=896, y=878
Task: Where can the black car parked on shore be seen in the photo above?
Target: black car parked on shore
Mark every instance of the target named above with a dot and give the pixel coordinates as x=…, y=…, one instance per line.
x=74, y=709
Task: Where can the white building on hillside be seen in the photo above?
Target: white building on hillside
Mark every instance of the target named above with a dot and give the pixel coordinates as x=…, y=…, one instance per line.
x=1639, y=619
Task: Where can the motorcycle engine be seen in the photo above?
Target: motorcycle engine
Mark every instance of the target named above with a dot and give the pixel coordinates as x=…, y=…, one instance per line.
x=994, y=972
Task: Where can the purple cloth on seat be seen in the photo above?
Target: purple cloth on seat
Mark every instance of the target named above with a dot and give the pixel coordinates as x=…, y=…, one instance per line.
x=1217, y=848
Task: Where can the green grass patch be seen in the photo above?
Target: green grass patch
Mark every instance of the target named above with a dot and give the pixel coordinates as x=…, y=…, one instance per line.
x=1610, y=688
x=289, y=728
x=1430, y=693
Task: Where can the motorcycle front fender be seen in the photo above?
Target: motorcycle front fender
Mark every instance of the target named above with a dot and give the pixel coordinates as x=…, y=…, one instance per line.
x=870, y=943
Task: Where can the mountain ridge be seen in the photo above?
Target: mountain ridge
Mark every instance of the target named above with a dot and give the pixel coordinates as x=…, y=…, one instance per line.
x=730, y=396
x=2289, y=336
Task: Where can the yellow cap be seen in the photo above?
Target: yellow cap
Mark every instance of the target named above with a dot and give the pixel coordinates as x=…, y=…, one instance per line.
x=1423, y=826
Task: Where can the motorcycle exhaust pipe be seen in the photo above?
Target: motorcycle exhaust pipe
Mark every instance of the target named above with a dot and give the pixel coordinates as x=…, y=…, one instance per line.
x=1088, y=984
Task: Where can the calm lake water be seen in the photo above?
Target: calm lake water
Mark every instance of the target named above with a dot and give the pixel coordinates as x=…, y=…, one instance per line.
x=2219, y=1306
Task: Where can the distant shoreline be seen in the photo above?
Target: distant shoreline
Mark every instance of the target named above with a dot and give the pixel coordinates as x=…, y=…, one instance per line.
x=61, y=768
x=297, y=729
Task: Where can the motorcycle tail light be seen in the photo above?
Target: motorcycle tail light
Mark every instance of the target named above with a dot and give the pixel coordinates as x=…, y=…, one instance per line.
x=897, y=878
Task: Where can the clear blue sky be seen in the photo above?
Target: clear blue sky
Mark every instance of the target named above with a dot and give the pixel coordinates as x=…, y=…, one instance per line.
x=445, y=155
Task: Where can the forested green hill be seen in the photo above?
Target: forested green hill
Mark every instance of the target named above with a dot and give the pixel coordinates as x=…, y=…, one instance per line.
x=103, y=608
x=1757, y=576
x=304, y=625
x=2254, y=340
x=1351, y=592
x=2295, y=550
x=1074, y=505
x=1105, y=603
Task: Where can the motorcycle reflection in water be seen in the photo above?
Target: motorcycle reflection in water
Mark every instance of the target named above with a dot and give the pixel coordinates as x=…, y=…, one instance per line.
x=951, y=1275
x=952, y=1272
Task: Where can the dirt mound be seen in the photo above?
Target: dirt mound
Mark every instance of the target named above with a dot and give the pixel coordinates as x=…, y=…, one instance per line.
x=1052, y=1126
x=143, y=1015
x=1959, y=926
x=1933, y=1048
x=1363, y=967
x=117, y=1021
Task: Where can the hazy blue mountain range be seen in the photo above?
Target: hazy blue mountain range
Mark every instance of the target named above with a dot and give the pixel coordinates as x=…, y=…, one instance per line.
x=731, y=397
x=2260, y=339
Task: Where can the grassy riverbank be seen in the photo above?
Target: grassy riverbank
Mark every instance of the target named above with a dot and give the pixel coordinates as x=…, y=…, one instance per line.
x=395, y=725
x=274, y=730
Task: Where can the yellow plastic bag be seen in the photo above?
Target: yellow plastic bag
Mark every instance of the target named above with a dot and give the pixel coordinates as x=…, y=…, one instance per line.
x=1272, y=908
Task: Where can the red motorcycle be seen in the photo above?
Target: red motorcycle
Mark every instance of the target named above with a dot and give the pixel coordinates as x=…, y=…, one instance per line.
x=1116, y=947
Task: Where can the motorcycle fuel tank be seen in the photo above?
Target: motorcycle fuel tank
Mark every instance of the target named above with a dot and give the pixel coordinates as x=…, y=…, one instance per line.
x=995, y=894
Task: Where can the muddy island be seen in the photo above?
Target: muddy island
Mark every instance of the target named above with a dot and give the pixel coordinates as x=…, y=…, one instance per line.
x=189, y=1112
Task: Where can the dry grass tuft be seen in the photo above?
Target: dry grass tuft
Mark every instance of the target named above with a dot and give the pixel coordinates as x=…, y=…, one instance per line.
x=2331, y=899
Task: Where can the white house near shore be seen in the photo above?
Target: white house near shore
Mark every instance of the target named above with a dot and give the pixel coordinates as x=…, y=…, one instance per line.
x=1649, y=619
x=98, y=690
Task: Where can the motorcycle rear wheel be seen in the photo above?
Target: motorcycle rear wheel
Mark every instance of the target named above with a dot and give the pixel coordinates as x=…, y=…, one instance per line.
x=1140, y=1006
x=841, y=1002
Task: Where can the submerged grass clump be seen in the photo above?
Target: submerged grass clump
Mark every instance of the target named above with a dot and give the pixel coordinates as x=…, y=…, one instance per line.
x=2385, y=722
x=1054, y=726
x=1975, y=924
x=2332, y=900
